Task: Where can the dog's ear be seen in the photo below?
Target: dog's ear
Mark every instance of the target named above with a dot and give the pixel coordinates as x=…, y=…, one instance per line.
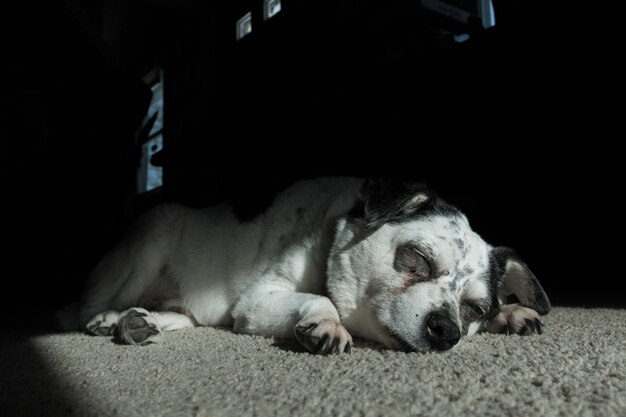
x=389, y=200
x=514, y=277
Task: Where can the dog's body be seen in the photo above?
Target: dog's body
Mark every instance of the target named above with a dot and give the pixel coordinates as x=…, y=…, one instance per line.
x=330, y=257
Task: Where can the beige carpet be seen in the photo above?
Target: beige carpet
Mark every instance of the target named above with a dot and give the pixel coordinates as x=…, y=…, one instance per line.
x=576, y=368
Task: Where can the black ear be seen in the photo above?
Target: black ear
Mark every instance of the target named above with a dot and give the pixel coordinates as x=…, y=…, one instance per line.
x=514, y=277
x=388, y=200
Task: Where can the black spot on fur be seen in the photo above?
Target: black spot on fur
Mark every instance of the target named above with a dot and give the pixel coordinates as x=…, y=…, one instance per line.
x=535, y=296
x=433, y=207
x=386, y=201
x=390, y=200
x=467, y=270
x=358, y=210
x=459, y=243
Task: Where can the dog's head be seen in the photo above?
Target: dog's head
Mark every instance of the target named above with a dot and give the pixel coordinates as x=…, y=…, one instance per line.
x=407, y=270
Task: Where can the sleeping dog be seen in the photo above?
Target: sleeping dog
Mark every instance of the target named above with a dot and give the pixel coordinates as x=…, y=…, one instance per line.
x=331, y=258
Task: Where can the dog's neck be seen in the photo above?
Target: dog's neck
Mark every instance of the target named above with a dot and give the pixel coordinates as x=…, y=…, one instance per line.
x=351, y=299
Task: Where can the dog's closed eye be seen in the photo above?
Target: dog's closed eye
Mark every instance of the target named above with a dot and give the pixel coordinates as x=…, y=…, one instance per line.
x=410, y=260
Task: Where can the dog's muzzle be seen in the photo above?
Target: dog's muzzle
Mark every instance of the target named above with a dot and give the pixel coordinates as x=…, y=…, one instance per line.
x=441, y=332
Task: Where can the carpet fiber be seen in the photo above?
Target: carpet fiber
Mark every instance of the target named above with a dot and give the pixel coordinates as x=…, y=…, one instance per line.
x=576, y=368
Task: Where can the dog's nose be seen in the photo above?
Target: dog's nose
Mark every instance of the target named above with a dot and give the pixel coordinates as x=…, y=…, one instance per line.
x=442, y=333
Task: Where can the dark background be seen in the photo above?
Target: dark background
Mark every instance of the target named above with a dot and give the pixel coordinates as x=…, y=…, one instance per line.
x=517, y=126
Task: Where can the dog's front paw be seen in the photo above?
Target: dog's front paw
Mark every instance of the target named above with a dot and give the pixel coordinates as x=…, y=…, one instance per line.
x=323, y=336
x=516, y=319
x=138, y=327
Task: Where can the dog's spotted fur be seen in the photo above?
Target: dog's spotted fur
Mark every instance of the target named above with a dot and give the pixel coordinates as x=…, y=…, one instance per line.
x=330, y=258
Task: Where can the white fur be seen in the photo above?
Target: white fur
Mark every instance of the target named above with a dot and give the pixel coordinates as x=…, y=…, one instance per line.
x=301, y=264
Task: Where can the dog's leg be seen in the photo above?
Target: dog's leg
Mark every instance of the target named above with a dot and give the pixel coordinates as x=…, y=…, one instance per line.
x=138, y=326
x=135, y=264
x=515, y=319
x=274, y=311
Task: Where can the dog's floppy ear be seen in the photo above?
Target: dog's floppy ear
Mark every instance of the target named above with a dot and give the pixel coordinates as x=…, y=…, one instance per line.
x=388, y=200
x=514, y=277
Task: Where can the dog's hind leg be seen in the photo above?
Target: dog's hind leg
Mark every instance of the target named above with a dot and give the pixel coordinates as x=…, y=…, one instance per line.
x=138, y=264
x=118, y=281
x=138, y=326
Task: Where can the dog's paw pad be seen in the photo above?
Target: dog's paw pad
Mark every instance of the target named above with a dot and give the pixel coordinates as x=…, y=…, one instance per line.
x=323, y=337
x=103, y=324
x=138, y=327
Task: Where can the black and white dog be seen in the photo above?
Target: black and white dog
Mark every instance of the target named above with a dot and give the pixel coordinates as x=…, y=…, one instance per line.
x=330, y=258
